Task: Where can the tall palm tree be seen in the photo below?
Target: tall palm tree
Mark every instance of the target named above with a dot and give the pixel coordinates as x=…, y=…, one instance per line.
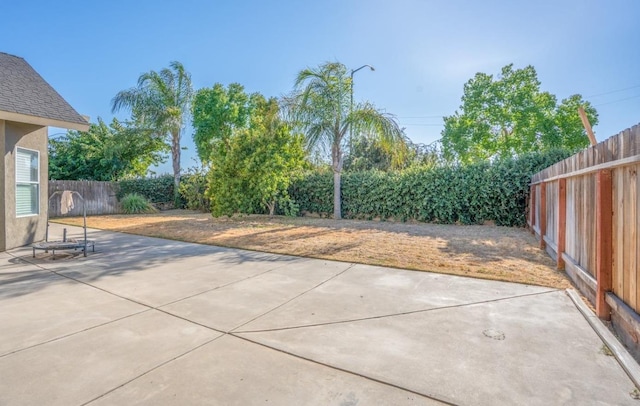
x=320, y=107
x=160, y=102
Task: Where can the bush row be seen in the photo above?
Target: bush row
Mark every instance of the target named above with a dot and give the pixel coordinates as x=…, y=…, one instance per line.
x=470, y=194
x=159, y=190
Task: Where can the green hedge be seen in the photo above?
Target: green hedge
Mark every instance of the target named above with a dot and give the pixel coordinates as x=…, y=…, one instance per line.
x=155, y=190
x=159, y=190
x=470, y=194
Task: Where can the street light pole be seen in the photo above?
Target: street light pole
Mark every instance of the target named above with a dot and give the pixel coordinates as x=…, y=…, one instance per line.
x=351, y=105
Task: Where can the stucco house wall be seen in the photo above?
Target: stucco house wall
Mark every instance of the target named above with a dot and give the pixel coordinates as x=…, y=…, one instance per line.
x=28, y=105
x=3, y=227
x=23, y=230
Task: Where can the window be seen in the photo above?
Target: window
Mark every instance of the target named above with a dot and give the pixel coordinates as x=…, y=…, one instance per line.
x=27, y=182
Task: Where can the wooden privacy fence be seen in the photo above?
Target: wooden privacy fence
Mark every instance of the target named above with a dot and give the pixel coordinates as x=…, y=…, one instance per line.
x=100, y=197
x=585, y=212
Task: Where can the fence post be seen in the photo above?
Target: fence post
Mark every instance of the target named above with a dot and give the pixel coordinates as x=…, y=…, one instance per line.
x=533, y=209
x=604, y=229
x=543, y=214
x=562, y=221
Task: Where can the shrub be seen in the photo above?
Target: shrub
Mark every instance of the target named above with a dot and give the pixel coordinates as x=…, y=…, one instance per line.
x=192, y=190
x=134, y=203
x=157, y=190
x=288, y=207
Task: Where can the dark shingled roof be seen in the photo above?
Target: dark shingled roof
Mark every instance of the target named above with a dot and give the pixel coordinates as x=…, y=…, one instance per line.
x=24, y=91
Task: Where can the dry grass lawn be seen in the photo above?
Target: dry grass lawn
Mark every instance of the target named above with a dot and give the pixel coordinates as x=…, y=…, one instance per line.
x=500, y=253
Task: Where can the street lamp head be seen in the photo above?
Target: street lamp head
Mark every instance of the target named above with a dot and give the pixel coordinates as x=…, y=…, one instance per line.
x=362, y=67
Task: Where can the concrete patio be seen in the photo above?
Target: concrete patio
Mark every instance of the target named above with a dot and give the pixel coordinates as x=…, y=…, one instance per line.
x=157, y=322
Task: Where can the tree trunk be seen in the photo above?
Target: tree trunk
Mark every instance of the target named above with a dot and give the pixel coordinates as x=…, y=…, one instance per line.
x=175, y=156
x=337, y=204
x=336, y=155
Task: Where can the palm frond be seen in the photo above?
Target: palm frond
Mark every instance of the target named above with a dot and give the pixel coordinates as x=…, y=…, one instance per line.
x=125, y=99
x=380, y=127
x=320, y=104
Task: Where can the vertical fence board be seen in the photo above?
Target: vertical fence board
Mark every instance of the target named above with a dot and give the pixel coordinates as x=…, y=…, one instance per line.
x=536, y=206
x=571, y=215
x=580, y=217
x=562, y=222
x=552, y=212
x=615, y=223
x=636, y=203
x=592, y=221
x=99, y=197
x=543, y=213
x=619, y=232
x=626, y=232
x=603, y=253
x=630, y=202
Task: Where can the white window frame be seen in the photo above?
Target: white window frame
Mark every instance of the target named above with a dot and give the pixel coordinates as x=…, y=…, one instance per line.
x=37, y=183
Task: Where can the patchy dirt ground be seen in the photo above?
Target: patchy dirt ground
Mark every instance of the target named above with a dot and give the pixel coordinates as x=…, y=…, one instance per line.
x=500, y=253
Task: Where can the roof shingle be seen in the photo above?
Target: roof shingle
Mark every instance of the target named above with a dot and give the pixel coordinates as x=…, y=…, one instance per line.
x=24, y=91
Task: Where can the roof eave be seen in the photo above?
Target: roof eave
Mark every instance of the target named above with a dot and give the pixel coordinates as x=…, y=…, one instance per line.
x=48, y=122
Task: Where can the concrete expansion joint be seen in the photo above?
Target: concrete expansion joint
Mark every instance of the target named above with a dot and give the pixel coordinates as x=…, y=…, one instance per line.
x=347, y=371
x=75, y=332
x=81, y=282
x=219, y=287
x=295, y=297
x=160, y=365
x=159, y=308
x=383, y=316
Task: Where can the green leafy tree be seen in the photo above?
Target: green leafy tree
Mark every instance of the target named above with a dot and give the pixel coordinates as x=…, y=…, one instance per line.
x=426, y=155
x=367, y=154
x=510, y=115
x=254, y=169
x=217, y=113
x=571, y=134
x=104, y=152
x=160, y=103
x=320, y=107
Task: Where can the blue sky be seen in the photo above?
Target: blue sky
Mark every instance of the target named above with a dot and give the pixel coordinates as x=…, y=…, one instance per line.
x=423, y=51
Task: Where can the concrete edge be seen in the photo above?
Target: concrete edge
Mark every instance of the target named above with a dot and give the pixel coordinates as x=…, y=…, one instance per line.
x=224, y=247
x=626, y=361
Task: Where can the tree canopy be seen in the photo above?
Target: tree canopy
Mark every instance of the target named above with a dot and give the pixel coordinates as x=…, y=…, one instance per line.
x=509, y=115
x=104, y=152
x=368, y=154
x=320, y=108
x=251, y=168
x=160, y=103
x=217, y=113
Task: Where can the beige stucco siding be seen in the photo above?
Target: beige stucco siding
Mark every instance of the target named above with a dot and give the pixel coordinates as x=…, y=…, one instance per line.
x=23, y=230
x=3, y=228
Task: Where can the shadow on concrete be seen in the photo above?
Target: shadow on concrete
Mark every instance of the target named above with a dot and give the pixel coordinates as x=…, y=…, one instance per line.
x=119, y=254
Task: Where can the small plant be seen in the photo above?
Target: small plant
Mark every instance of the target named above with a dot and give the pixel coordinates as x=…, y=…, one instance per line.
x=134, y=203
x=606, y=350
